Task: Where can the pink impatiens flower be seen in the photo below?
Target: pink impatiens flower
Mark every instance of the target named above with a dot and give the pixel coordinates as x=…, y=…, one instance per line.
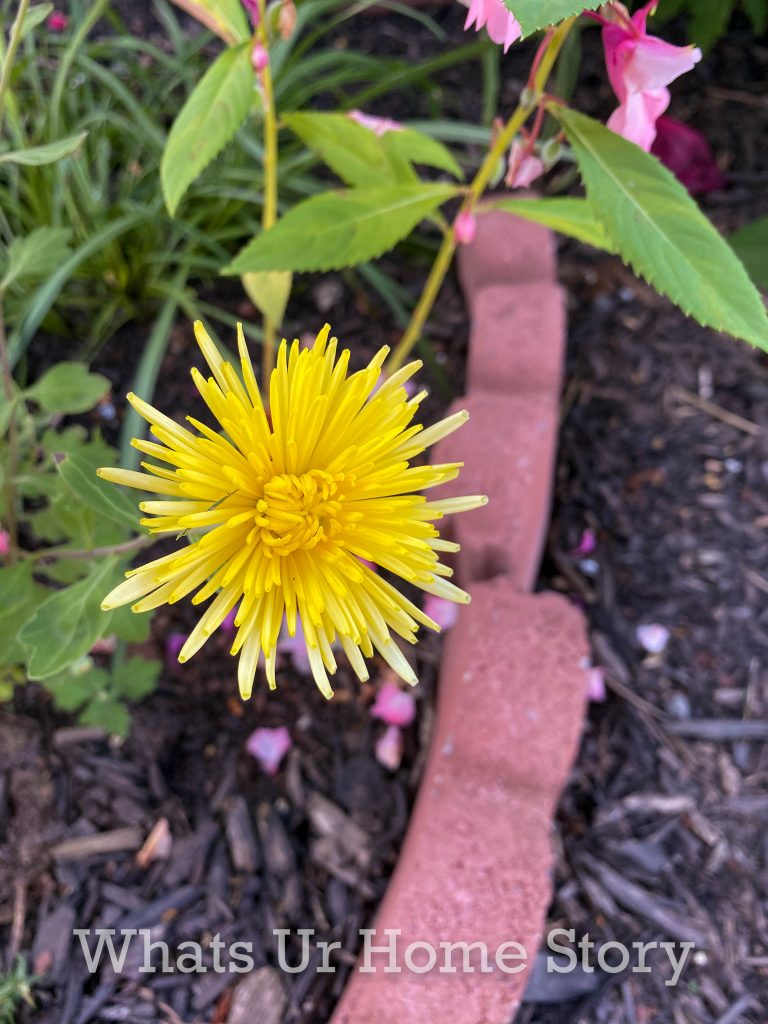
x=252, y=10
x=640, y=67
x=523, y=166
x=501, y=24
x=688, y=155
x=269, y=747
x=378, y=125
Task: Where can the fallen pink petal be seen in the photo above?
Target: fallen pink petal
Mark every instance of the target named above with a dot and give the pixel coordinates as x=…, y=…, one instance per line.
x=688, y=154
x=269, y=747
x=596, y=684
x=389, y=748
x=501, y=24
x=394, y=706
x=587, y=544
x=445, y=613
x=523, y=167
x=465, y=227
x=378, y=125
x=652, y=637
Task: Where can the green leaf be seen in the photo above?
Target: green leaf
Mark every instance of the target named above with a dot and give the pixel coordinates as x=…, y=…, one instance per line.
x=419, y=148
x=341, y=229
x=224, y=17
x=70, y=690
x=35, y=16
x=709, y=21
x=19, y=593
x=536, y=14
x=751, y=245
x=104, y=498
x=135, y=678
x=68, y=388
x=107, y=713
x=208, y=120
x=658, y=229
x=68, y=623
x=36, y=156
x=269, y=291
x=132, y=627
x=35, y=255
x=569, y=216
x=757, y=12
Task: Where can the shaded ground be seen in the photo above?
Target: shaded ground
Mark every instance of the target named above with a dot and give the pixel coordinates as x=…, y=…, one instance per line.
x=661, y=833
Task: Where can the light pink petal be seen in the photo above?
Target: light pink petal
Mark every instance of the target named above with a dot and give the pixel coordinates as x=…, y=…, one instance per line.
x=269, y=747
x=653, y=64
x=389, y=748
x=445, y=613
x=652, y=637
x=378, y=125
x=639, y=18
x=394, y=706
x=465, y=227
x=501, y=24
x=523, y=167
x=596, y=683
x=636, y=119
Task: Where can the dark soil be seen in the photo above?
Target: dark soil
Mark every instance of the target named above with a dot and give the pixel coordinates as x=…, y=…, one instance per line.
x=661, y=832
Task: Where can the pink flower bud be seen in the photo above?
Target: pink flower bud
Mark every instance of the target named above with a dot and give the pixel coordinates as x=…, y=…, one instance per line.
x=394, y=706
x=465, y=227
x=57, y=22
x=287, y=19
x=5, y=542
x=389, y=748
x=269, y=747
x=523, y=167
x=252, y=10
x=259, y=58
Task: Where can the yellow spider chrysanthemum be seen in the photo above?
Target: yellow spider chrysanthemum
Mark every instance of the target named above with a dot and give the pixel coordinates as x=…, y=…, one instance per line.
x=293, y=508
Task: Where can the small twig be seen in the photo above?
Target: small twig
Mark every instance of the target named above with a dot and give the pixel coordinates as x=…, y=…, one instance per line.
x=57, y=554
x=731, y=418
x=19, y=917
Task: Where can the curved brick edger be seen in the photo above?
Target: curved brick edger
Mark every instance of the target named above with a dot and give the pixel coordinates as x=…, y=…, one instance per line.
x=476, y=862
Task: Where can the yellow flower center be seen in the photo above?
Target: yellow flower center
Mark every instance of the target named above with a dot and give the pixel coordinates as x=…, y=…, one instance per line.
x=298, y=512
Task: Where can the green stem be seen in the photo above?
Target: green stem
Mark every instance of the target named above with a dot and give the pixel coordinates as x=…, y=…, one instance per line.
x=269, y=209
x=528, y=103
x=9, y=483
x=10, y=57
x=57, y=554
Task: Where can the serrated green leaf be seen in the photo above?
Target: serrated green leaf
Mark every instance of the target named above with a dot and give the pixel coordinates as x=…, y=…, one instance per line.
x=19, y=594
x=68, y=388
x=208, y=120
x=104, y=498
x=135, y=678
x=224, y=17
x=71, y=690
x=419, y=148
x=751, y=245
x=35, y=255
x=269, y=291
x=570, y=216
x=658, y=229
x=536, y=14
x=36, y=156
x=341, y=229
x=66, y=625
x=132, y=627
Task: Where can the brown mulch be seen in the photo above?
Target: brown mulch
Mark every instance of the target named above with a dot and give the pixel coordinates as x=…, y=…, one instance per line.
x=661, y=833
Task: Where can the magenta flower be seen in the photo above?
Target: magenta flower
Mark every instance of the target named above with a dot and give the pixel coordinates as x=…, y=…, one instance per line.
x=57, y=22
x=688, y=155
x=492, y=15
x=394, y=706
x=445, y=613
x=252, y=10
x=378, y=125
x=465, y=227
x=640, y=67
x=586, y=545
x=523, y=166
x=259, y=58
x=389, y=748
x=269, y=747
x=5, y=542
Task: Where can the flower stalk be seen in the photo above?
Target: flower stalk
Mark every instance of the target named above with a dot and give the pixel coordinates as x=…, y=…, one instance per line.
x=529, y=101
x=269, y=209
